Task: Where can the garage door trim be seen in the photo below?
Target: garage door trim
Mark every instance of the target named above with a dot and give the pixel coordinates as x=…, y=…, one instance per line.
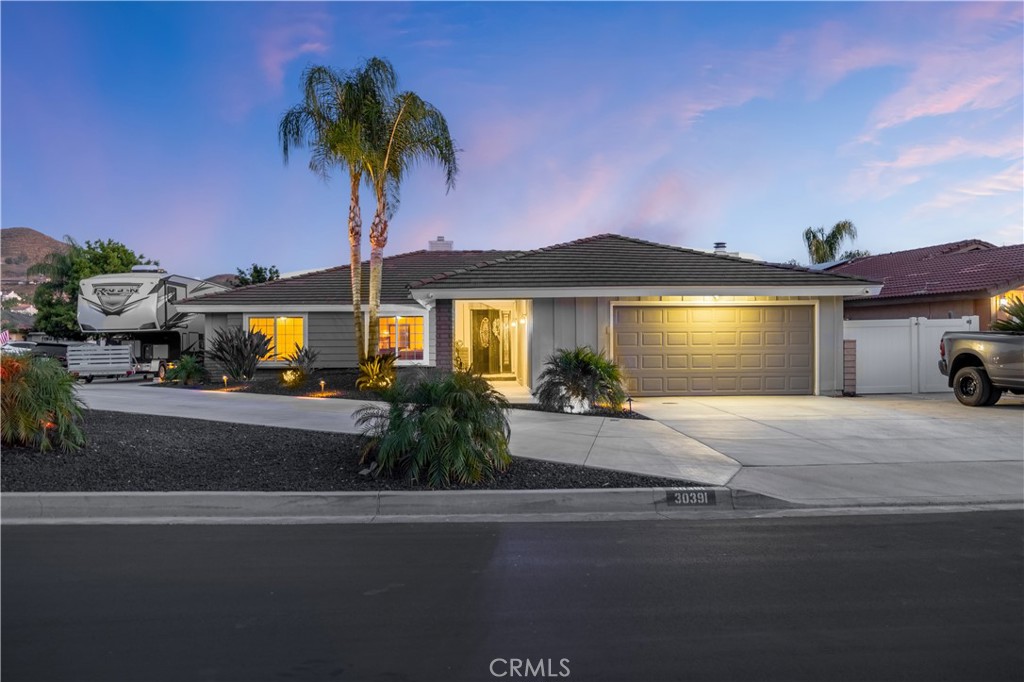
x=726, y=304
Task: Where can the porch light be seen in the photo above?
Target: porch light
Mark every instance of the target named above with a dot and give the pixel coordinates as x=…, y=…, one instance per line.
x=1002, y=301
x=514, y=324
x=522, y=320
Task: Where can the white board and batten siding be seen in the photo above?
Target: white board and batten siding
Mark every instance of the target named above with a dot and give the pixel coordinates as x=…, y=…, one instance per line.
x=902, y=356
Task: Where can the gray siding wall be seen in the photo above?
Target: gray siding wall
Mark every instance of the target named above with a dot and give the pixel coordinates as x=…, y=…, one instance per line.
x=333, y=336
x=329, y=333
x=570, y=322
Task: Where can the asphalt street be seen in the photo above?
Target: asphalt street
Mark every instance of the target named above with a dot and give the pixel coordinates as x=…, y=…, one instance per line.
x=926, y=597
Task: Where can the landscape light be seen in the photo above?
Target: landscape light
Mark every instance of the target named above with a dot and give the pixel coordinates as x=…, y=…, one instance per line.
x=322, y=382
x=225, y=378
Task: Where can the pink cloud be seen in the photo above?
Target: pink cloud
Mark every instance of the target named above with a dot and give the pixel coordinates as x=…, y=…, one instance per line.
x=281, y=43
x=1007, y=182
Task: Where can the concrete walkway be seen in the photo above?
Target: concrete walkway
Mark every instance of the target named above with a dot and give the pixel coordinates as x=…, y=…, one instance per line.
x=810, y=450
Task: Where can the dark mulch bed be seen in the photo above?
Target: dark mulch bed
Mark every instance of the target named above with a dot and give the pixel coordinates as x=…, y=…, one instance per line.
x=134, y=452
x=341, y=383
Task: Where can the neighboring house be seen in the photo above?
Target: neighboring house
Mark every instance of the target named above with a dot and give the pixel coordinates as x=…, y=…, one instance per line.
x=11, y=296
x=678, y=321
x=25, y=308
x=970, y=277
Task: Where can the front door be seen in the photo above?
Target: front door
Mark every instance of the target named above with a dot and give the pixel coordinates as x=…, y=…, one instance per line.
x=492, y=341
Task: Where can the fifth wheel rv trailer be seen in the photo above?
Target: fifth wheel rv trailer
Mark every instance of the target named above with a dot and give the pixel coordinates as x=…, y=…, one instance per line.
x=138, y=308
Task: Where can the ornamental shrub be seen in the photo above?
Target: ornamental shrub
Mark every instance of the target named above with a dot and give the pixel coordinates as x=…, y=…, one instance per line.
x=1014, y=308
x=450, y=429
x=579, y=379
x=39, y=404
x=376, y=373
x=240, y=351
x=188, y=370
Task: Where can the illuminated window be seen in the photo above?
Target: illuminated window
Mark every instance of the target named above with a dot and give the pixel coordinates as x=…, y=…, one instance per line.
x=402, y=337
x=283, y=332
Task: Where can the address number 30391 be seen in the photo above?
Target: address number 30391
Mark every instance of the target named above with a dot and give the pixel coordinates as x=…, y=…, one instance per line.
x=690, y=497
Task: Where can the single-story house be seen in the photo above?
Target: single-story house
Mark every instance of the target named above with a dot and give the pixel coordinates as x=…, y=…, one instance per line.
x=678, y=321
x=970, y=277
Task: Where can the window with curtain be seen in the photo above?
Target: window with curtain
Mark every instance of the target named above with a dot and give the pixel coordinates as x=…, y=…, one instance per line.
x=283, y=332
x=402, y=337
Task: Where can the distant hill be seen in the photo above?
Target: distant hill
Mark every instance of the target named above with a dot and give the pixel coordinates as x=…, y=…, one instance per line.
x=23, y=247
x=225, y=278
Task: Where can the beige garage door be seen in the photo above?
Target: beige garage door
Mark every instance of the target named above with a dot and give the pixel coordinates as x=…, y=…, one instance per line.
x=756, y=350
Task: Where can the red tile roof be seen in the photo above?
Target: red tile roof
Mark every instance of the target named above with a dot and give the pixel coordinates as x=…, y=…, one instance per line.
x=971, y=265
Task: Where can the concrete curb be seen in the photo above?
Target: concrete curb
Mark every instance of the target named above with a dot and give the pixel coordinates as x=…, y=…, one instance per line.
x=165, y=507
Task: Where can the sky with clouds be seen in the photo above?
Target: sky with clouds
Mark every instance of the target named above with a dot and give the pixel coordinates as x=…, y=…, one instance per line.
x=155, y=124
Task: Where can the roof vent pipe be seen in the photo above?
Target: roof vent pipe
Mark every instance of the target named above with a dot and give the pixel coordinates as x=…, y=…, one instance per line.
x=440, y=244
x=720, y=247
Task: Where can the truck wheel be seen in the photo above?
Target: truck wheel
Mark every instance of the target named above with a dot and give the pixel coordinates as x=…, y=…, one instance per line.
x=162, y=372
x=993, y=396
x=971, y=386
x=87, y=380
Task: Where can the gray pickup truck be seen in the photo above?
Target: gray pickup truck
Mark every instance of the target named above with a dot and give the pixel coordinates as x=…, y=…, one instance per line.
x=981, y=365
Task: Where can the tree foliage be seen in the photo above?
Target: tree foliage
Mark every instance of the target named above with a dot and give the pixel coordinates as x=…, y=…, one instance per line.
x=331, y=121
x=57, y=298
x=256, y=274
x=823, y=246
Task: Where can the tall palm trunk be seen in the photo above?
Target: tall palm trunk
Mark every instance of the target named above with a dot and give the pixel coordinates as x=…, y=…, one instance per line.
x=378, y=240
x=355, y=239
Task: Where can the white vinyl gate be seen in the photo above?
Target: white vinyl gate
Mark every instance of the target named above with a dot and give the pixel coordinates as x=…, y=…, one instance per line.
x=902, y=356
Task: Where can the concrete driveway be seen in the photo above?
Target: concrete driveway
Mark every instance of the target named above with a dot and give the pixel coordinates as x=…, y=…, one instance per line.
x=877, y=450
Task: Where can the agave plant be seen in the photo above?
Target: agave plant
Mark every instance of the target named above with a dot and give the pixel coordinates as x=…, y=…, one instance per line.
x=1014, y=309
x=376, y=373
x=39, y=405
x=442, y=430
x=301, y=364
x=240, y=351
x=578, y=379
x=188, y=370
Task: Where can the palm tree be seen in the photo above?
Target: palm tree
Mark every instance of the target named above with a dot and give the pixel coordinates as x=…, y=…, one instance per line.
x=406, y=131
x=331, y=121
x=823, y=247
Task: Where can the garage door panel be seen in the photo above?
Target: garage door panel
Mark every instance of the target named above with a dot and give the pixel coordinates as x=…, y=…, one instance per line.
x=738, y=350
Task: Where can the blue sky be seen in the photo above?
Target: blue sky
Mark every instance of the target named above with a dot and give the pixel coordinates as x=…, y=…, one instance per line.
x=156, y=124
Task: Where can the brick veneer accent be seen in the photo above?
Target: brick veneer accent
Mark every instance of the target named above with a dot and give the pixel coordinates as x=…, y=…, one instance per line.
x=443, y=329
x=849, y=367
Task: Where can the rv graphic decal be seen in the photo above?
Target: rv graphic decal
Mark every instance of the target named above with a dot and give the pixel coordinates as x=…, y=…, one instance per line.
x=113, y=298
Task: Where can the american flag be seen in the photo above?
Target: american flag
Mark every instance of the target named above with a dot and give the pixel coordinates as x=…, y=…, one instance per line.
x=5, y=336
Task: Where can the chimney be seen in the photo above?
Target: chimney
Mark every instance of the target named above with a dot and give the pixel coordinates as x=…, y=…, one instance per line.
x=720, y=247
x=440, y=244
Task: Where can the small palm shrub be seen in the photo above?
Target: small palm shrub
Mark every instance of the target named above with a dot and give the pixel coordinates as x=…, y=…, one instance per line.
x=441, y=430
x=1014, y=308
x=240, y=351
x=376, y=373
x=578, y=379
x=188, y=370
x=39, y=404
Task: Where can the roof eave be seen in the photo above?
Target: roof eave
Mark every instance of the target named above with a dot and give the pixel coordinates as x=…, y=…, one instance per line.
x=425, y=294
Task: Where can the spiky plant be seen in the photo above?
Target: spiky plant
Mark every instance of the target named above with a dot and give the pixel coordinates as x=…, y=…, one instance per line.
x=240, y=351
x=188, y=370
x=302, y=363
x=376, y=373
x=452, y=429
x=1014, y=309
x=579, y=378
x=39, y=404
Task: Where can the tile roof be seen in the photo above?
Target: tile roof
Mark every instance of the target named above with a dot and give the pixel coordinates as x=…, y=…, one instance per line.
x=610, y=260
x=333, y=285
x=967, y=266
x=604, y=260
